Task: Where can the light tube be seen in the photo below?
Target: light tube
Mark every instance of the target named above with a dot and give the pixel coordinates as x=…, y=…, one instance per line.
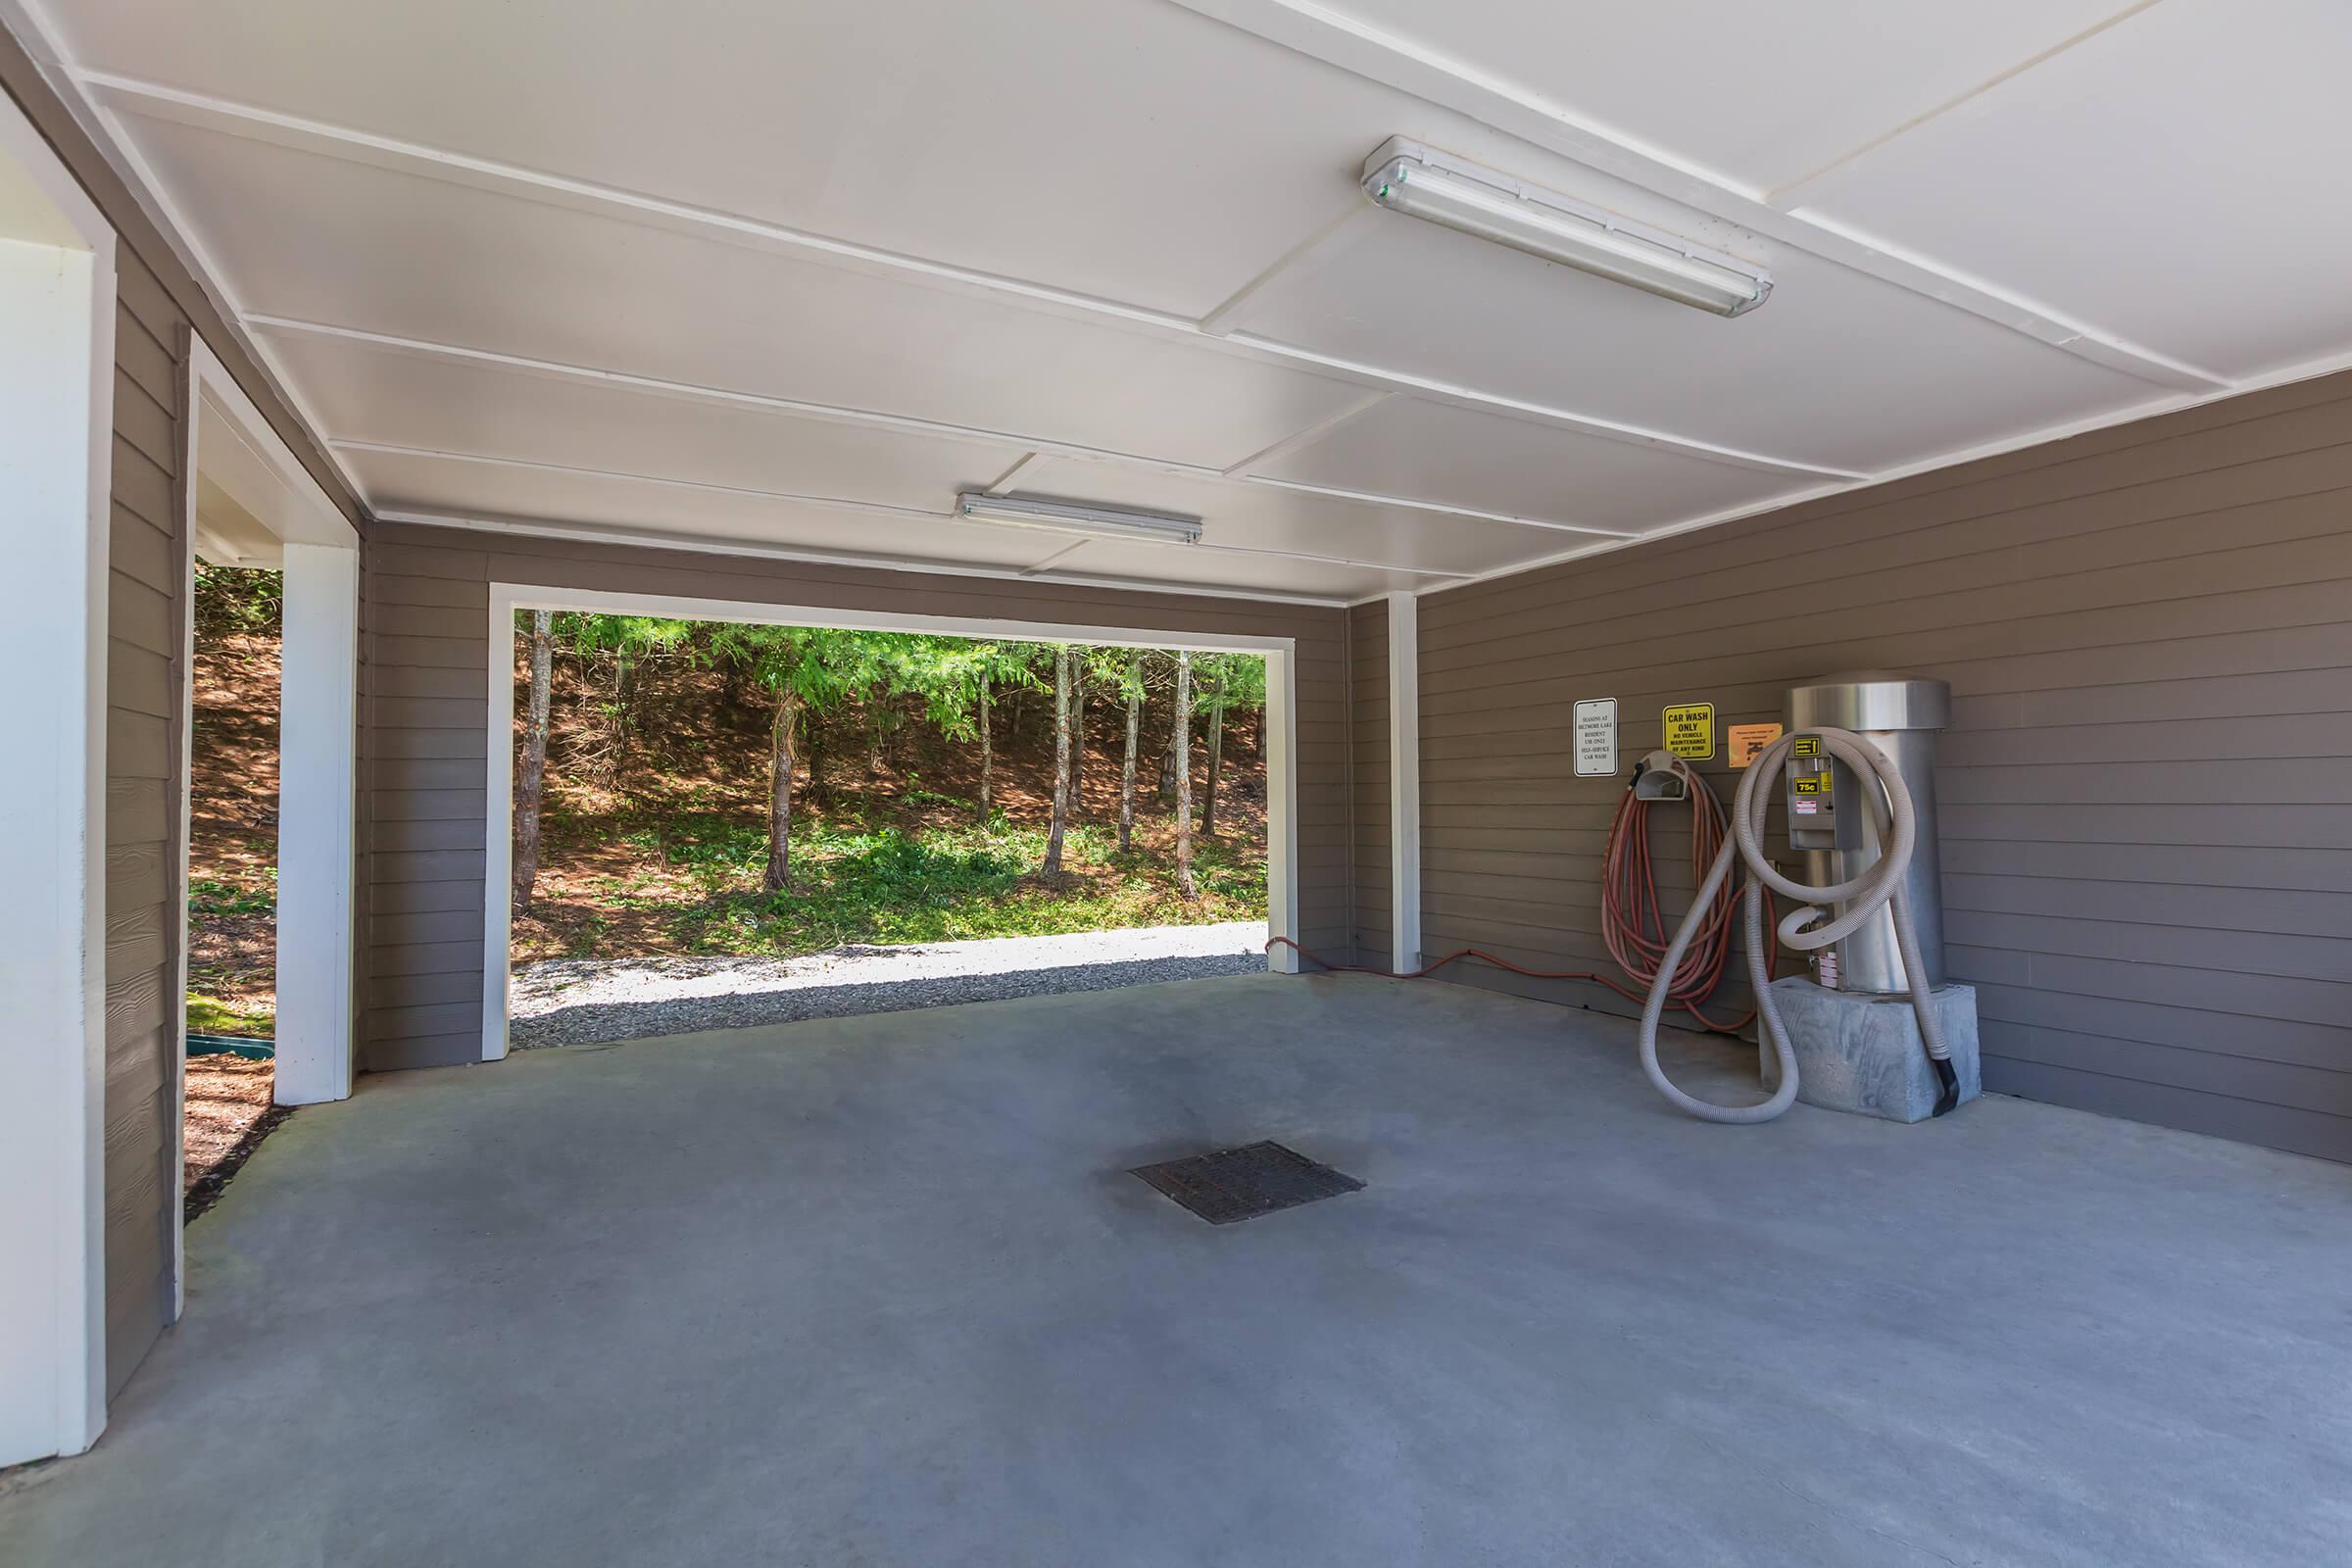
x=1072, y=517
x=1403, y=177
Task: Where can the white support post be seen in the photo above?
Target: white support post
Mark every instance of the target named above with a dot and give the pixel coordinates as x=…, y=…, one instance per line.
x=1282, y=808
x=57, y=320
x=318, y=716
x=1405, y=781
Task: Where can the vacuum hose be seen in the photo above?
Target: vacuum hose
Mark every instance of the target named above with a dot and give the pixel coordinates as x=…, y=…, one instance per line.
x=1883, y=884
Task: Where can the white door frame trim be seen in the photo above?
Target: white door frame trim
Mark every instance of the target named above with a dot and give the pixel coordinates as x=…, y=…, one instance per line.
x=506, y=598
x=230, y=440
x=57, y=379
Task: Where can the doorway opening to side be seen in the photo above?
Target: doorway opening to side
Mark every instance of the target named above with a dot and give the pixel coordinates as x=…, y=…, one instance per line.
x=267, y=759
x=718, y=821
x=232, y=992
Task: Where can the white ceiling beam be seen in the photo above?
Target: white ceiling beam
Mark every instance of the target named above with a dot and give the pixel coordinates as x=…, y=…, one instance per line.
x=881, y=509
x=848, y=504
x=1408, y=65
x=253, y=124
x=794, y=408
x=1366, y=496
x=704, y=544
x=2308, y=370
x=694, y=392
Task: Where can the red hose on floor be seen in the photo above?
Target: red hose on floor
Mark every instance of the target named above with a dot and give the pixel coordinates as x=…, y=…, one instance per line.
x=1632, y=922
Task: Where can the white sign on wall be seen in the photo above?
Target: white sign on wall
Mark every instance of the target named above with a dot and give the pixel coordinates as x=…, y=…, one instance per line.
x=1596, y=727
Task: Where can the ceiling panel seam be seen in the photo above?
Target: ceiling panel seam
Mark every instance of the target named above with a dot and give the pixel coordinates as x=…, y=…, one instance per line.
x=848, y=504
x=794, y=408
x=700, y=544
x=1409, y=66
x=198, y=260
x=2308, y=369
x=1820, y=181
x=252, y=122
x=1926, y=280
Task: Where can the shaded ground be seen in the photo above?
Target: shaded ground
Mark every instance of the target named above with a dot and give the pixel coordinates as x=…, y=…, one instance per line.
x=232, y=837
x=229, y=1114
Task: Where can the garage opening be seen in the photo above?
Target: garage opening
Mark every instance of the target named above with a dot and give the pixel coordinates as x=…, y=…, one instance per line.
x=717, y=822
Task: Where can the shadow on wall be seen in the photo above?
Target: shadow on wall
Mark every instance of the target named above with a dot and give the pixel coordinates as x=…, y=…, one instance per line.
x=591, y=1022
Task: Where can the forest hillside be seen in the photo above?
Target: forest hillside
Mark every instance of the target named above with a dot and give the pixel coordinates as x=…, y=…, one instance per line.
x=655, y=833
x=656, y=827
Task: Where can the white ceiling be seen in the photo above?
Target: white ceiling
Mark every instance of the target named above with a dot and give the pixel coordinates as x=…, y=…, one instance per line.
x=789, y=277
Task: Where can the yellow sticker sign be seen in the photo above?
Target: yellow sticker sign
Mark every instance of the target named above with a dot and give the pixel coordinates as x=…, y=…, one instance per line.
x=1746, y=742
x=1691, y=731
x=1805, y=745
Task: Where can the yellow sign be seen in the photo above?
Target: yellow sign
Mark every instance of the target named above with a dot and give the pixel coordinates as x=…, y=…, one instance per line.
x=1813, y=784
x=1745, y=740
x=1691, y=731
x=1805, y=745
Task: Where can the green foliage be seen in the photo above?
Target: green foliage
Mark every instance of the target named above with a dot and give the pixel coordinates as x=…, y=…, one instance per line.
x=622, y=636
x=233, y=599
x=206, y=896
x=820, y=666
x=855, y=884
x=1229, y=683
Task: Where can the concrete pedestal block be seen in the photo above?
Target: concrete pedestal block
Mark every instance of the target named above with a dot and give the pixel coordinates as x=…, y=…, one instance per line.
x=1861, y=1051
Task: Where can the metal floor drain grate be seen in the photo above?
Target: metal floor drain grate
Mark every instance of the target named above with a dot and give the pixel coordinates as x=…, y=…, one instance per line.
x=1238, y=1184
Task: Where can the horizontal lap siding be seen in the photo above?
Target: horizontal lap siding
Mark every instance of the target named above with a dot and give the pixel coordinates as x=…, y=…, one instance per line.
x=424, y=705
x=1368, y=738
x=146, y=679
x=2145, y=791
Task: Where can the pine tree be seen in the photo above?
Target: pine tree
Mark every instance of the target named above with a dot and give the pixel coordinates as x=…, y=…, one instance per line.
x=1062, y=759
x=531, y=790
x=1134, y=684
x=804, y=669
x=1181, y=747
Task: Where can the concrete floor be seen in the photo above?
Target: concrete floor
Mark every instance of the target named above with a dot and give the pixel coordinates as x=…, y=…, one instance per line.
x=877, y=1291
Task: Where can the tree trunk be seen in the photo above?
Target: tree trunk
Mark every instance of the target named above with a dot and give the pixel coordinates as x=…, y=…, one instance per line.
x=531, y=793
x=779, y=793
x=988, y=756
x=1182, y=749
x=1061, y=760
x=1216, y=749
x=1168, y=769
x=624, y=696
x=1077, y=734
x=1134, y=717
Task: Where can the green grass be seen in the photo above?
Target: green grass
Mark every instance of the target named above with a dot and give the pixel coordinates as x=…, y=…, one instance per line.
x=852, y=883
x=208, y=1015
x=209, y=897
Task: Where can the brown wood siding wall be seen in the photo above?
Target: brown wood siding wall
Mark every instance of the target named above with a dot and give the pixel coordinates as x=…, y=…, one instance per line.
x=1368, y=680
x=423, y=707
x=146, y=683
x=2147, y=789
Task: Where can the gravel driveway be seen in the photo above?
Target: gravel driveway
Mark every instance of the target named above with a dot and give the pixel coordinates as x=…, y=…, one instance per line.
x=571, y=1002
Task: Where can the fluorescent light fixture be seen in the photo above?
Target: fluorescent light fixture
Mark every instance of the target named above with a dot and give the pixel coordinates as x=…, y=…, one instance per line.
x=1074, y=516
x=1408, y=177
